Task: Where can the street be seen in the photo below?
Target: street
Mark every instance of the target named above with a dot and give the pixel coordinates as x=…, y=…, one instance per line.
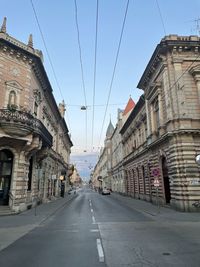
x=94, y=230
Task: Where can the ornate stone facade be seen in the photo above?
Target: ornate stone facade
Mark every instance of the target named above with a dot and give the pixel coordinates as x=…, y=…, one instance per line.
x=34, y=141
x=162, y=135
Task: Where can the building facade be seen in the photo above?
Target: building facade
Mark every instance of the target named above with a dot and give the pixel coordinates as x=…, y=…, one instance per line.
x=162, y=135
x=102, y=173
x=34, y=142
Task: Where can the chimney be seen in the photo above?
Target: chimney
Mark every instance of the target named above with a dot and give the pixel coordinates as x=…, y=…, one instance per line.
x=30, y=41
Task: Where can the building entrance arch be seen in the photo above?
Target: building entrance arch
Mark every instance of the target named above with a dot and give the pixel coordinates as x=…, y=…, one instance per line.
x=6, y=163
x=166, y=180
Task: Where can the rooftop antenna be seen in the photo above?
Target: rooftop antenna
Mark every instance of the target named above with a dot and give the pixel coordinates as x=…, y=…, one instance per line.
x=197, y=25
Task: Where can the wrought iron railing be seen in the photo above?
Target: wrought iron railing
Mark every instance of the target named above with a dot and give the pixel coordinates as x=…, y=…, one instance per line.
x=26, y=119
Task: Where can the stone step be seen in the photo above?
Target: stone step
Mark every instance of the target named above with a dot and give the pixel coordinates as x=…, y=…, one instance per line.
x=5, y=211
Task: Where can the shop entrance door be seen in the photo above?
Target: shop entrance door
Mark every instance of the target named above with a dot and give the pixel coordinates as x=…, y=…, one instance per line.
x=6, y=161
x=166, y=181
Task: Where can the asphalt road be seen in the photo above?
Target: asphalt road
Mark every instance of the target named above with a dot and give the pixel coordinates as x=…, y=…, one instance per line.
x=94, y=230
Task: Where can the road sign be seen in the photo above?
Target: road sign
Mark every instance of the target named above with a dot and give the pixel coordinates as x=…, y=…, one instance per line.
x=156, y=183
x=156, y=172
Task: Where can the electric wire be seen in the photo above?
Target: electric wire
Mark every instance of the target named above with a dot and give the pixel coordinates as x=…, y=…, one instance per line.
x=48, y=55
x=97, y=105
x=81, y=65
x=95, y=63
x=114, y=69
x=176, y=81
x=161, y=17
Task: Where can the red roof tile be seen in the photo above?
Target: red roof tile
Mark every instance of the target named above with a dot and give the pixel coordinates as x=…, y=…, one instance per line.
x=130, y=105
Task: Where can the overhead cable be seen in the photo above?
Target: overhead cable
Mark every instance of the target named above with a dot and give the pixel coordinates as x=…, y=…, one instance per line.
x=81, y=64
x=95, y=63
x=161, y=17
x=115, y=65
x=48, y=55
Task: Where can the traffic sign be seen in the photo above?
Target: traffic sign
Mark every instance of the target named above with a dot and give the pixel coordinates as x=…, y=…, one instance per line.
x=156, y=172
x=156, y=183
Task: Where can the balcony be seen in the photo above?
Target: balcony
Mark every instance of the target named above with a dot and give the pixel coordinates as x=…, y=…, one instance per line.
x=19, y=123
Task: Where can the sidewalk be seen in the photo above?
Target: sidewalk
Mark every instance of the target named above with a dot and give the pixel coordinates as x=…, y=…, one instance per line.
x=159, y=213
x=12, y=227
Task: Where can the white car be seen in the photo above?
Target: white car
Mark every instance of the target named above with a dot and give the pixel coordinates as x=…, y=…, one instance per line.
x=105, y=191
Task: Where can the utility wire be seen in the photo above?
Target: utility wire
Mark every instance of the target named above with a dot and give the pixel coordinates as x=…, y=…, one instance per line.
x=161, y=17
x=95, y=63
x=98, y=105
x=115, y=65
x=176, y=81
x=48, y=55
x=36, y=17
x=81, y=64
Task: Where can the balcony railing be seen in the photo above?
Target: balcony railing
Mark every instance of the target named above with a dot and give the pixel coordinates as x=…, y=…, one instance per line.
x=20, y=119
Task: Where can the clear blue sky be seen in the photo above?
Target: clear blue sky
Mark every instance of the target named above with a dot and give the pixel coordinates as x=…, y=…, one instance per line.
x=143, y=31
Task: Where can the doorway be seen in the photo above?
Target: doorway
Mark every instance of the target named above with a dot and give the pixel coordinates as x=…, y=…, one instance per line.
x=6, y=162
x=166, y=180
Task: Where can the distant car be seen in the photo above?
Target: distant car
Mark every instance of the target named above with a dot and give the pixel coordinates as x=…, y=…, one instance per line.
x=105, y=191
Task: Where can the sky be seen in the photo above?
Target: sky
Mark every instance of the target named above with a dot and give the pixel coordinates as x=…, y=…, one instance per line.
x=147, y=22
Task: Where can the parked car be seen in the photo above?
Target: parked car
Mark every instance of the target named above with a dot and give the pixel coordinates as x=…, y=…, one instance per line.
x=105, y=191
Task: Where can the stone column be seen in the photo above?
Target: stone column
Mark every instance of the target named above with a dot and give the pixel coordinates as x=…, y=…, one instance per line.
x=197, y=79
x=160, y=110
x=148, y=120
x=153, y=126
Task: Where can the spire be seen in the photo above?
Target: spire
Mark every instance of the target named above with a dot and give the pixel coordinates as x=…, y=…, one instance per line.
x=110, y=130
x=3, y=27
x=30, y=40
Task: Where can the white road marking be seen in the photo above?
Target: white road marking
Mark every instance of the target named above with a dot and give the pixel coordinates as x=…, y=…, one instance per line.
x=90, y=204
x=92, y=210
x=94, y=230
x=100, y=250
x=93, y=220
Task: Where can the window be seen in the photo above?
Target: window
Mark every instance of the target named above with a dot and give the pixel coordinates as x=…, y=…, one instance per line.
x=35, y=109
x=12, y=99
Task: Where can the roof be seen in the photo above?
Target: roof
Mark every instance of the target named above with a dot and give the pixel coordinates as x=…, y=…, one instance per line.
x=130, y=105
x=133, y=114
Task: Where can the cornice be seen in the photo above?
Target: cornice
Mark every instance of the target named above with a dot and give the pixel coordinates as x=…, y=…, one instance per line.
x=173, y=44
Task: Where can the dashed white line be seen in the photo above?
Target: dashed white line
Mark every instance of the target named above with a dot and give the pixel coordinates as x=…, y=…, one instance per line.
x=94, y=230
x=92, y=210
x=93, y=220
x=100, y=250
